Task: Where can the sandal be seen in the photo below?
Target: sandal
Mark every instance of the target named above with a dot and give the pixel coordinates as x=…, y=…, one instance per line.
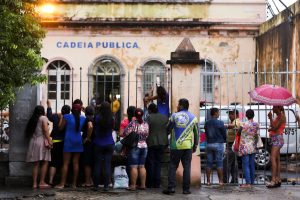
x=208, y=184
x=46, y=186
x=245, y=186
x=59, y=187
x=272, y=184
x=130, y=189
x=278, y=182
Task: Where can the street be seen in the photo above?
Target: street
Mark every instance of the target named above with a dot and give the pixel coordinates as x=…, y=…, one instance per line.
x=203, y=193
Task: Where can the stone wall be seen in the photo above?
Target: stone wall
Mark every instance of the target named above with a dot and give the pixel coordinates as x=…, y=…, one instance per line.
x=20, y=112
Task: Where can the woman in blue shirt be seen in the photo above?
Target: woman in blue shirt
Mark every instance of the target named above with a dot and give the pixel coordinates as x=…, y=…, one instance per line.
x=103, y=144
x=73, y=145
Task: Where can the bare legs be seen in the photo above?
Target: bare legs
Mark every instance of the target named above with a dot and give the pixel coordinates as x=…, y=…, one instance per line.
x=142, y=173
x=275, y=159
x=52, y=172
x=88, y=176
x=133, y=177
x=44, y=169
x=67, y=158
x=220, y=176
x=134, y=172
x=76, y=157
x=35, y=170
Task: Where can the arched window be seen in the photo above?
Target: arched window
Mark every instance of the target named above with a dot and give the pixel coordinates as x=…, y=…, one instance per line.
x=207, y=81
x=154, y=74
x=106, y=80
x=58, y=80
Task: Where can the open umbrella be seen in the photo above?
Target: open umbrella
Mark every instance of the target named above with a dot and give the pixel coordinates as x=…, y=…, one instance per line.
x=272, y=95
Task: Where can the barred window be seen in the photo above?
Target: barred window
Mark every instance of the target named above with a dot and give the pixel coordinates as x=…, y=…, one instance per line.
x=207, y=81
x=58, y=80
x=154, y=74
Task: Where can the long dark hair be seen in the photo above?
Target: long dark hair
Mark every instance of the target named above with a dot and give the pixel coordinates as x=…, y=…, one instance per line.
x=106, y=116
x=161, y=94
x=76, y=111
x=130, y=112
x=32, y=123
x=89, y=113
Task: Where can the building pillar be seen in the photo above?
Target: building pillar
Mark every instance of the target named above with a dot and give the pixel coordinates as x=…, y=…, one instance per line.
x=20, y=112
x=185, y=83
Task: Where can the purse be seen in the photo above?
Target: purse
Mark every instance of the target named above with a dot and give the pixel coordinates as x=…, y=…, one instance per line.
x=259, y=143
x=236, y=143
x=131, y=140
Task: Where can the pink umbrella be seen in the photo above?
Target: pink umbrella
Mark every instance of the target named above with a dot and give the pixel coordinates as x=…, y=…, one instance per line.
x=272, y=95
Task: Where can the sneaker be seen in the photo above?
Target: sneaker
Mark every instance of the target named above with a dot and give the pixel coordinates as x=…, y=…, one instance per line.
x=169, y=191
x=186, y=192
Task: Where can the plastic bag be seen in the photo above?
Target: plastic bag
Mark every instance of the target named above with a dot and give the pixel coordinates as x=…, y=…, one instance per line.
x=120, y=177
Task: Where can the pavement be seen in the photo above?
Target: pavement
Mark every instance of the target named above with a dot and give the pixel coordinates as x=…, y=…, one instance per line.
x=286, y=192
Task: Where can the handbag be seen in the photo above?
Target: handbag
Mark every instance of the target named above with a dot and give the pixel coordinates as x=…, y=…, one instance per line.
x=259, y=143
x=236, y=143
x=131, y=140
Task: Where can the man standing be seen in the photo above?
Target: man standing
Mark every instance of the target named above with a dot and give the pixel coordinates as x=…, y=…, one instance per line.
x=230, y=160
x=184, y=140
x=216, y=137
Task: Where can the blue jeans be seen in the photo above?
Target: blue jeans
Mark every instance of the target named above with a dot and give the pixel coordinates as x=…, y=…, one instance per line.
x=215, y=150
x=153, y=165
x=249, y=168
x=137, y=157
x=102, y=153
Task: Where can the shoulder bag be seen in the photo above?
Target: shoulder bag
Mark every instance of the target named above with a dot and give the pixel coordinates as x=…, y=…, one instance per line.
x=131, y=140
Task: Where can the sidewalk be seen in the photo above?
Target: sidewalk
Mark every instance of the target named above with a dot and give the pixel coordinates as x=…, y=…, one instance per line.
x=209, y=193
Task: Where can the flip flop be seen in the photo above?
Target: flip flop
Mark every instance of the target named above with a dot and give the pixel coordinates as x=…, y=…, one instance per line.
x=271, y=185
x=44, y=186
x=245, y=186
x=59, y=187
x=130, y=189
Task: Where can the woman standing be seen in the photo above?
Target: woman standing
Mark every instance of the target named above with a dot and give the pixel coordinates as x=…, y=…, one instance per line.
x=87, y=155
x=162, y=101
x=57, y=139
x=247, y=148
x=103, y=144
x=276, y=130
x=39, y=145
x=73, y=145
x=126, y=121
x=137, y=155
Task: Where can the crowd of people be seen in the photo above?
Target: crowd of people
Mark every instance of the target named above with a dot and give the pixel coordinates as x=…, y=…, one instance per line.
x=85, y=141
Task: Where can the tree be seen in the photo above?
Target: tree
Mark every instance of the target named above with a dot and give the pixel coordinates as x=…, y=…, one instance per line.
x=20, y=43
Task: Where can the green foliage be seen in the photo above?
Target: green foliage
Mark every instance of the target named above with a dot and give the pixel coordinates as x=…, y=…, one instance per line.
x=20, y=43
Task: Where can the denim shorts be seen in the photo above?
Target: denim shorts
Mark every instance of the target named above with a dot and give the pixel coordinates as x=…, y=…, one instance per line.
x=215, y=151
x=277, y=140
x=137, y=157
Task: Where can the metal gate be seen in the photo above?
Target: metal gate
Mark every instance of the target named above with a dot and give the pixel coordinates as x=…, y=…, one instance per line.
x=231, y=83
